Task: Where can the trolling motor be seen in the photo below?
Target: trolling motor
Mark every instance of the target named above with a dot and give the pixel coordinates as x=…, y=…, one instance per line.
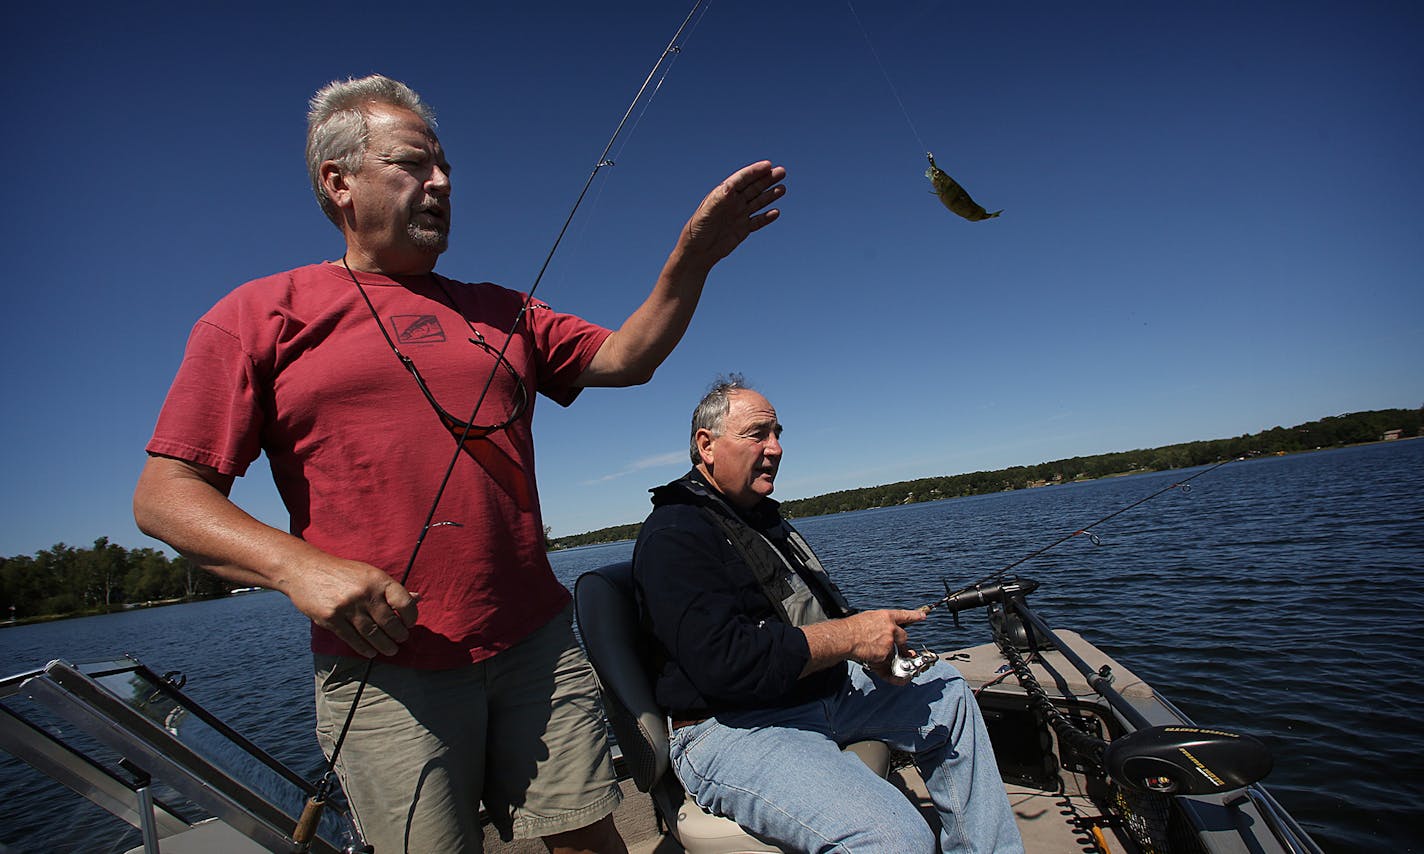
x=1186, y=760
x=1178, y=759
x=1169, y=760
x=981, y=594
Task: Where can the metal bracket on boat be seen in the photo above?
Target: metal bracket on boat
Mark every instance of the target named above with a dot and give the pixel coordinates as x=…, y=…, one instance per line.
x=1007, y=624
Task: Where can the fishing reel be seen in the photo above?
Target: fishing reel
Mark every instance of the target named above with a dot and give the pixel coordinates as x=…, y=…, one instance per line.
x=909, y=666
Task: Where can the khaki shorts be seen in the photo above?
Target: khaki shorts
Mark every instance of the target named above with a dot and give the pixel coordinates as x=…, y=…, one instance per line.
x=522, y=731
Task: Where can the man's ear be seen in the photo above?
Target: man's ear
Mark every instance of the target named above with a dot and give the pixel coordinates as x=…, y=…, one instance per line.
x=703, y=440
x=334, y=182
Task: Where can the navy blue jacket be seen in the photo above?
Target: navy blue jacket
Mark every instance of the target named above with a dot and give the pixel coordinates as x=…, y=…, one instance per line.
x=723, y=641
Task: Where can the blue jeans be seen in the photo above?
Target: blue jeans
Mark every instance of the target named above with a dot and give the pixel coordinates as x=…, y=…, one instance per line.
x=781, y=774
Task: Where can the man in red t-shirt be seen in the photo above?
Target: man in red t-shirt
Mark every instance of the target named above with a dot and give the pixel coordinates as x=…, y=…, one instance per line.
x=355, y=377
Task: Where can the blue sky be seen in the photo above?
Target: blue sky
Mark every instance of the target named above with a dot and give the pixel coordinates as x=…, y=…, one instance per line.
x=1212, y=221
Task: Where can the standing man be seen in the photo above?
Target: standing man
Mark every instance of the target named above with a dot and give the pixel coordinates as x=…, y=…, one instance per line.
x=355, y=377
x=755, y=647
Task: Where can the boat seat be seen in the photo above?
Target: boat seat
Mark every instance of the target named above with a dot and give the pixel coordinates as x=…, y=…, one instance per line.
x=609, y=623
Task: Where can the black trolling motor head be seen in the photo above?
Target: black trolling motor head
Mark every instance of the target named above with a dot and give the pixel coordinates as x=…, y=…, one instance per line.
x=1186, y=760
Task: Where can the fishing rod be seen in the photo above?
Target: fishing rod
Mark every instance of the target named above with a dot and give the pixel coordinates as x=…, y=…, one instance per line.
x=311, y=812
x=1166, y=760
x=975, y=596
x=1180, y=759
x=1184, y=484
x=987, y=590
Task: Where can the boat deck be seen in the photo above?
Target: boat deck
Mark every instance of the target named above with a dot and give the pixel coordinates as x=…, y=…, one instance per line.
x=1044, y=818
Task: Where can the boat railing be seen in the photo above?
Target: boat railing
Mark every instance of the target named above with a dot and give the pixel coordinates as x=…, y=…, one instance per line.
x=1287, y=831
x=153, y=739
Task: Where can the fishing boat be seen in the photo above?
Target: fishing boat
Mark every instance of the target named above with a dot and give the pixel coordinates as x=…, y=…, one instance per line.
x=1093, y=758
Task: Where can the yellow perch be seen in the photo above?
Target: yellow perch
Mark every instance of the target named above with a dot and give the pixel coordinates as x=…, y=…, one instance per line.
x=954, y=196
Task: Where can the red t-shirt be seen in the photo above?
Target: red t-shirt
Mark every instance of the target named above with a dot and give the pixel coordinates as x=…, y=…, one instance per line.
x=295, y=365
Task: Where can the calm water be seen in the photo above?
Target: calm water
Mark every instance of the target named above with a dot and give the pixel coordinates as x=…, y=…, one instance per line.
x=1281, y=597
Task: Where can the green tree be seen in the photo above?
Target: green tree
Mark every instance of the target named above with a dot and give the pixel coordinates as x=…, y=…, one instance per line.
x=53, y=581
x=98, y=574
x=17, y=589
x=151, y=576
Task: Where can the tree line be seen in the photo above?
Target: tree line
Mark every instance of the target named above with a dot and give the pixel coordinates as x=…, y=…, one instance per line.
x=1333, y=432
x=68, y=581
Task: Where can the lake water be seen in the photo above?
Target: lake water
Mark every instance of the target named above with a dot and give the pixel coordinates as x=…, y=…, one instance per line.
x=1281, y=597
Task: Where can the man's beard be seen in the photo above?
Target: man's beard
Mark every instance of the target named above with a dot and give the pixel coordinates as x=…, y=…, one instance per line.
x=427, y=238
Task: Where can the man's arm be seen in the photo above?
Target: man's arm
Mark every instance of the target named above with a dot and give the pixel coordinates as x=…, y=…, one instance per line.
x=186, y=505
x=733, y=210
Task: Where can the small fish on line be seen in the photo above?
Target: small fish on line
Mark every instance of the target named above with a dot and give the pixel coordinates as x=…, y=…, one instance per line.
x=954, y=196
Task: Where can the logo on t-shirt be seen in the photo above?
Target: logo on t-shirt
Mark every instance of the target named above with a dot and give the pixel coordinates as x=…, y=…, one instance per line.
x=418, y=328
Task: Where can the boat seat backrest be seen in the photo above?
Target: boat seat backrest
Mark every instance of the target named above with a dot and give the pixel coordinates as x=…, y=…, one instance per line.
x=611, y=628
x=609, y=624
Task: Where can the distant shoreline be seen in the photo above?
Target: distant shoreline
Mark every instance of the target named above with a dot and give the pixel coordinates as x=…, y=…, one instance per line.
x=905, y=492
x=132, y=606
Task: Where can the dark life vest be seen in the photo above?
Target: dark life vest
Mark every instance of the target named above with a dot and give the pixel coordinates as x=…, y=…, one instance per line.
x=793, y=580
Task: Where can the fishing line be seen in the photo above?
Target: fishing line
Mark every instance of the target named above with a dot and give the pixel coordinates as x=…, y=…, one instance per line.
x=306, y=824
x=950, y=192
x=894, y=91
x=675, y=51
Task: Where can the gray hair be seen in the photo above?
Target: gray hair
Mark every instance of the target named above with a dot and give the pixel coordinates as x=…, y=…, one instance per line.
x=712, y=410
x=337, y=130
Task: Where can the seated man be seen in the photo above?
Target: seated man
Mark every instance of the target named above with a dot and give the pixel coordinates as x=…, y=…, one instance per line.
x=757, y=667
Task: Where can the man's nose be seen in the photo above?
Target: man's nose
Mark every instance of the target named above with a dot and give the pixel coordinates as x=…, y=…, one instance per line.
x=439, y=183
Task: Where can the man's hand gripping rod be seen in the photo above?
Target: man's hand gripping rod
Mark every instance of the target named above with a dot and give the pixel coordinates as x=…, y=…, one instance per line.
x=977, y=596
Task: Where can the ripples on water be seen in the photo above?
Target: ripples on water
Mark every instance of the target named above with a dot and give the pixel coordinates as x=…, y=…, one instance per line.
x=1280, y=597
